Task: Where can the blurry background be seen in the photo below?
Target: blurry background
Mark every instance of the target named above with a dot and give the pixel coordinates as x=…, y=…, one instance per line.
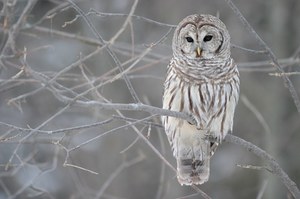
x=48, y=57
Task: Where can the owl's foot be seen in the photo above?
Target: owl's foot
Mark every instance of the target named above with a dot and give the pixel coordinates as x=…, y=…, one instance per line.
x=193, y=120
x=214, y=143
x=210, y=138
x=213, y=138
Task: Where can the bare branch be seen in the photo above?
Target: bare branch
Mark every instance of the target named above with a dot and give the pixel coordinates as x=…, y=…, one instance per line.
x=13, y=32
x=105, y=14
x=249, y=50
x=63, y=130
x=257, y=114
x=109, y=50
x=284, y=74
x=123, y=166
x=274, y=166
x=286, y=80
x=128, y=18
x=262, y=190
x=137, y=107
x=79, y=167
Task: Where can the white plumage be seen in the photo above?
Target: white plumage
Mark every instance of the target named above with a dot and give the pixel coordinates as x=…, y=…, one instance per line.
x=204, y=86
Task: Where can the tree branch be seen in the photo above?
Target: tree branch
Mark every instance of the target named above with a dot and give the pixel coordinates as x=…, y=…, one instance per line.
x=108, y=49
x=275, y=168
x=269, y=52
x=14, y=30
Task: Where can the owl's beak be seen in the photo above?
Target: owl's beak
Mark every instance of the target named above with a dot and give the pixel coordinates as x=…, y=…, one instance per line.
x=198, y=52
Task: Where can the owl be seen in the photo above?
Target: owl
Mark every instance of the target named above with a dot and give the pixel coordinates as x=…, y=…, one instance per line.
x=202, y=81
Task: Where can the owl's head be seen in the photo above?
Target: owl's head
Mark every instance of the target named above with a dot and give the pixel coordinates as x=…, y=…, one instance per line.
x=201, y=37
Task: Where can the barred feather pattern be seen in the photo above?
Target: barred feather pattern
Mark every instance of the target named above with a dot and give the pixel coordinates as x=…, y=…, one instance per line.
x=209, y=91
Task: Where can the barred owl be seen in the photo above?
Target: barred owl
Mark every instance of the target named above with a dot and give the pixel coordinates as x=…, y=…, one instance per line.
x=203, y=81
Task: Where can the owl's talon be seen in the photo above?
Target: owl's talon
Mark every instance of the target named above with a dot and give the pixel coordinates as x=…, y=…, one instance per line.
x=211, y=138
x=193, y=120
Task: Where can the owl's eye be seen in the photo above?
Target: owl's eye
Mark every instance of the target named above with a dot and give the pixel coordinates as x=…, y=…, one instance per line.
x=189, y=39
x=207, y=38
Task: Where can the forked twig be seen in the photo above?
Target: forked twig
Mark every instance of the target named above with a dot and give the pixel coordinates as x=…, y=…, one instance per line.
x=109, y=50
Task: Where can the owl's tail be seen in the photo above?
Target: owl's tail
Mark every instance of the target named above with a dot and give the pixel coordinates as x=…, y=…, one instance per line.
x=191, y=172
x=194, y=170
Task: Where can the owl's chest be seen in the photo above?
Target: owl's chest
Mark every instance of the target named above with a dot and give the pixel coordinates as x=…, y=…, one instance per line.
x=204, y=101
x=206, y=98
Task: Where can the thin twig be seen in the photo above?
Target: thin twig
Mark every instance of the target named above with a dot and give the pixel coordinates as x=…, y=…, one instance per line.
x=128, y=119
x=34, y=131
x=37, y=176
x=257, y=114
x=80, y=168
x=110, y=131
x=249, y=50
x=130, y=145
x=284, y=74
x=109, y=50
x=13, y=32
x=52, y=80
x=136, y=107
x=49, y=132
x=262, y=190
x=49, y=14
x=125, y=24
x=258, y=64
x=254, y=167
x=123, y=166
x=105, y=14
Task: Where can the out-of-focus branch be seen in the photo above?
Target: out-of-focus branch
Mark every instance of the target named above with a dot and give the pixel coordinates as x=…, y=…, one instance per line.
x=274, y=166
x=14, y=29
x=128, y=18
x=141, y=18
x=122, y=166
x=269, y=52
x=109, y=50
x=105, y=14
x=257, y=65
x=50, y=14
